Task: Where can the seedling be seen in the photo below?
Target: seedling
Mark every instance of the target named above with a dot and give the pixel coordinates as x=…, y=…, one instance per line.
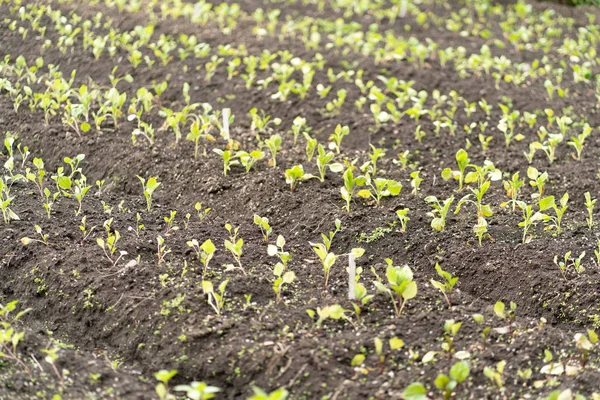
x=299, y=126
x=548, y=203
x=512, y=190
x=447, y=384
x=360, y=296
x=335, y=312
x=215, y=300
x=403, y=218
x=529, y=218
x=400, y=283
x=296, y=174
x=277, y=250
x=447, y=285
x=161, y=249
x=483, y=210
x=110, y=244
x=249, y=159
x=38, y=230
x=199, y=130
x=568, y=262
x=337, y=136
x=503, y=314
x=415, y=182
x=259, y=394
x=84, y=230
x=234, y=245
x=462, y=160
x=327, y=260
x=480, y=229
x=589, y=205
x=198, y=390
x=201, y=211
x=374, y=156
x=204, y=252
x=496, y=376
x=380, y=188
x=170, y=220
x=439, y=212
x=324, y=161
x=584, y=344
x=5, y=202
x=228, y=160
x=149, y=187
x=263, y=224
x=311, y=146
x=328, y=239
x=350, y=185
x=283, y=278
x=38, y=177
x=451, y=329
x=10, y=337
x=274, y=145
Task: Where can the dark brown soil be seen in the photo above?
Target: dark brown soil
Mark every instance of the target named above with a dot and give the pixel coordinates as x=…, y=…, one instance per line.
x=155, y=316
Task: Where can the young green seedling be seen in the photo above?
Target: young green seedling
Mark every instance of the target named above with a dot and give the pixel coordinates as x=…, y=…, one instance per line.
x=400, y=283
x=548, y=203
x=496, y=376
x=350, y=185
x=198, y=390
x=249, y=159
x=149, y=187
x=229, y=159
x=234, y=245
x=451, y=329
x=215, y=300
x=162, y=388
x=480, y=229
x=589, y=205
x=327, y=260
x=462, y=160
x=447, y=285
x=259, y=394
x=38, y=177
x=529, y=218
x=204, y=251
x=415, y=182
x=483, y=210
x=439, y=212
x=328, y=239
x=311, y=146
x=274, y=145
x=324, y=161
x=380, y=188
x=403, y=218
x=585, y=343
x=5, y=202
x=337, y=136
x=296, y=174
x=263, y=224
x=299, y=126
x=283, y=277
x=459, y=372
x=161, y=249
x=374, y=156
x=277, y=250
x=201, y=212
x=512, y=190
x=44, y=237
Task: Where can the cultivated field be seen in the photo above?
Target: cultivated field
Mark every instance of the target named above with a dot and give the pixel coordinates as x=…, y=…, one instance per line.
x=185, y=187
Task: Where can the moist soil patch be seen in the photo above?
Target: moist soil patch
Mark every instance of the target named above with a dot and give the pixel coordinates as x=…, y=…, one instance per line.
x=113, y=324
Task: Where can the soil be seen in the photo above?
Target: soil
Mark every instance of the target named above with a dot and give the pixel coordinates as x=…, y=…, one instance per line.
x=117, y=325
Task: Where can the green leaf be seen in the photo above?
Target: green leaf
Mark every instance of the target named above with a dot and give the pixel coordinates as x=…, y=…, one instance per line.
x=547, y=203
x=415, y=391
x=460, y=371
